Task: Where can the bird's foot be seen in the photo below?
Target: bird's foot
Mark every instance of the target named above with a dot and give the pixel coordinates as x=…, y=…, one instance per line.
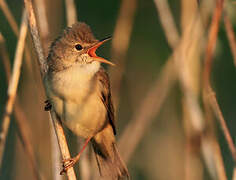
x=48, y=105
x=68, y=163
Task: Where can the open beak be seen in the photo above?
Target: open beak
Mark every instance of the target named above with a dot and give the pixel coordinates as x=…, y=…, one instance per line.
x=92, y=52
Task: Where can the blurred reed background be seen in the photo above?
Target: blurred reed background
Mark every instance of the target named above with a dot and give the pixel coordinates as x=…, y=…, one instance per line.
x=173, y=87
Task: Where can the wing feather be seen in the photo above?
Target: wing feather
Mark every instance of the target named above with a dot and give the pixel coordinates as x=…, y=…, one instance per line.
x=106, y=96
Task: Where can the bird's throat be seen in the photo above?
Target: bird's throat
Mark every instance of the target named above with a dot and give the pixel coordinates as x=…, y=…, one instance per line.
x=78, y=72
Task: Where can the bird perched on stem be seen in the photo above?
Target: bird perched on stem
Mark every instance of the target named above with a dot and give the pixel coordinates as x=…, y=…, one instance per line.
x=78, y=89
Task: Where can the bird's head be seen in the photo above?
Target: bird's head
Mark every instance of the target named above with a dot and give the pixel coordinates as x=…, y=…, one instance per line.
x=76, y=46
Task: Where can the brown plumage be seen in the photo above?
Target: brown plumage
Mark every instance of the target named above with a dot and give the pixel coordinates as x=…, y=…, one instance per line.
x=107, y=155
x=102, y=77
x=63, y=46
x=79, y=91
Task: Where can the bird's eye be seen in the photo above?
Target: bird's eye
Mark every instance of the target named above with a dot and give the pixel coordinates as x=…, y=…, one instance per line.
x=78, y=47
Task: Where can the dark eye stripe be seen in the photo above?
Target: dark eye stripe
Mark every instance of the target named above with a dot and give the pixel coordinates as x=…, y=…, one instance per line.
x=78, y=47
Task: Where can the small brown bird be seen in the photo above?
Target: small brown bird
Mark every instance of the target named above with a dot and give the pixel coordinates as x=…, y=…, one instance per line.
x=79, y=92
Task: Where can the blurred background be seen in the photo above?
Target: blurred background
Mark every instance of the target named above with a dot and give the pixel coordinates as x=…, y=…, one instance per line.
x=166, y=127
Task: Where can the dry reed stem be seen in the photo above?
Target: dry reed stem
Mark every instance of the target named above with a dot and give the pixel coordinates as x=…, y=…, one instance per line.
x=43, y=24
x=13, y=24
x=187, y=47
x=145, y=114
x=23, y=133
x=71, y=15
x=167, y=22
x=212, y=37
x=216, y=167
x=15, y=29
x=62, y=143
x=216, y=108
x=13, y=85
x=166, y=14
x=55, y=153
x=189, y=58
x=232, y=43
x=234, y=174
x=85, y=165
x=210, y=47
x=210, y=137
x=196, y=129
x=195, y=112
x=44, y=32
x=120, y=43
x=35, y=36
x=230, y=36
x=43, y=69
x=209, y=93
x=9, y=17
x=5, y=57
x=19, y=114
x=219, y=160
x=195, y=124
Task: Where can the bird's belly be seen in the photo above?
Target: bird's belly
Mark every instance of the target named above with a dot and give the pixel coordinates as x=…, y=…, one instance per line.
x=87, y=118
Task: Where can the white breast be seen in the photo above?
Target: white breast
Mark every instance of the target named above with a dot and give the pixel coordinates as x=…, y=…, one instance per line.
x=75, y=99
x=75, y=82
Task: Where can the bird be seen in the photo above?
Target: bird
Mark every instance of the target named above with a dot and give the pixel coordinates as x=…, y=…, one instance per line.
x=79, y=92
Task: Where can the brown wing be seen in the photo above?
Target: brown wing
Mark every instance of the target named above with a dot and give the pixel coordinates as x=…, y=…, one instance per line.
x=106, y=96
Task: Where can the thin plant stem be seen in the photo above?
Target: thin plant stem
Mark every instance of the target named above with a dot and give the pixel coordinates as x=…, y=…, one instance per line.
x=71, y=14
x=62, y=143
x=9, y=17
x=85, y=165
x=5, y=57
x=56, y=154
x=209, y=93
x=216, y=108
x=214, y=28
x=230, y=35
x=43, y=69
x=145, y=113
x=232, y=42
x=234, y=174
x=35, y=36
x=192, y=114
x=43, y=24
x=13, y=85
x=167, y=22
x=120, y=44
x=127, y=136
x=21, y=121
x=44, y=32
x=209, y=97
x=23, y=133
x=196, y=114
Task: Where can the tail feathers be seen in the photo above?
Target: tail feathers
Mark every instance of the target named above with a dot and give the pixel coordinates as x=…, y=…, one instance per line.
x=109, y=161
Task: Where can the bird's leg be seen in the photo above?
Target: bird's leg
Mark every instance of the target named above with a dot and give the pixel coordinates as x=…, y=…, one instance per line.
x=67, y=163
x=48, y=105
